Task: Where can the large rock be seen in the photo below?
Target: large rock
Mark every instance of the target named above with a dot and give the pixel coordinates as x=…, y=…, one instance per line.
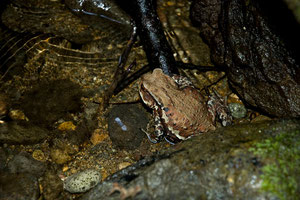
x=20, y=186
x=125, y=122
x=24, y=163
x=239, y=162
x=21, y=133
x=40, y=16
x=260, y=65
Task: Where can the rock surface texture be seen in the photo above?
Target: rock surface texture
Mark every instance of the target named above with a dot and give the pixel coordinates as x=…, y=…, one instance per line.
x=260, y=65
x=230, y=163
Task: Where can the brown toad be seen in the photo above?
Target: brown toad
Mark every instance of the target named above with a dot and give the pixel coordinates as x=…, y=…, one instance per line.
x=179, y=109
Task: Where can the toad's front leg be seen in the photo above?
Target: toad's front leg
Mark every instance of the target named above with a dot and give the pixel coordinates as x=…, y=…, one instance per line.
x=158, y=128
x=217, y=106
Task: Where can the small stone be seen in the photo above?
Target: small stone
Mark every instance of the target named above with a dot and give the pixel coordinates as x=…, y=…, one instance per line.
x=170, y=3
x=17, y=115
x=59, y=156
x=65, y=168
x=97, y=137
x=39, y=155
x=124, y=165
x=260, y=118
x=67, y=126
x=237, y=110
x=82, y=181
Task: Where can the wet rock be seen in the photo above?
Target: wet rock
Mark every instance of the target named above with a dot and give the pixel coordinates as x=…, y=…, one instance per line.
x=230, y=163
x=21, y=186
x=16, y=115
x=3, y=106
x=259, y=54
x=82, y=181
x=55, y=18
x=62, y=150
x=21, y=133
x=50, y=101
x=52, y=186
x=104, y=8
x=39, y=155
x=3, y=158
x=294, y=6
x=237, y=110
x=60, y=156
x=124, y=125
x=24, y=163
x=82, y=132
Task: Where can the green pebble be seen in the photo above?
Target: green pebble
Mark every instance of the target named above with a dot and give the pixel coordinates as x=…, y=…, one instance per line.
x=237, y=110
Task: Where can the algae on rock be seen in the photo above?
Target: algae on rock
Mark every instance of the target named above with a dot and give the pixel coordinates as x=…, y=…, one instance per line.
x=282, y=171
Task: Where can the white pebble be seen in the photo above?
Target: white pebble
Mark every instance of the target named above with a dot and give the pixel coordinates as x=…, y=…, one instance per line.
x=82, y=181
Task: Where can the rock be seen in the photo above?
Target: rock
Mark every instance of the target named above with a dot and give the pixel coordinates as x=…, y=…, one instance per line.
x=235, y=162
x=3, y=158
x=55, y=18
x=110, y=9
x=16, y=115
x=124, y=125
x=21, y=133
x=52, y=186
x=82, y=133
x=82, y=181
x=258, y=51
x=21, y=186
x=39, y=155
x=24, y=163
x=237, y=110
x=51, y=101
x=294, y=6
x=60, y=156
x=98, y=137
x=123, y=165
x=3, y=105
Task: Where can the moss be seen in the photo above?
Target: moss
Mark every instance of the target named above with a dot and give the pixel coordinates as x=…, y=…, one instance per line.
x=282, y=170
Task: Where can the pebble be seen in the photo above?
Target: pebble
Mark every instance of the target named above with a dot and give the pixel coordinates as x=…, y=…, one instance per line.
x=24, y=163
x=237, y=110
x=66, y=126
x=17, y=115
x=39, y=155
x=60, y=156
x=98, y=137
x=82, y=181
x=124, y=165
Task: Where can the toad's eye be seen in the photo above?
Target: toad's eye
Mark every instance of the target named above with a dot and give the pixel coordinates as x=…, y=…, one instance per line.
x=166, y=109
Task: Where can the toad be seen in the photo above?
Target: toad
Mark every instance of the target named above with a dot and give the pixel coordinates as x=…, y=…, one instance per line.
x=179, y=110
